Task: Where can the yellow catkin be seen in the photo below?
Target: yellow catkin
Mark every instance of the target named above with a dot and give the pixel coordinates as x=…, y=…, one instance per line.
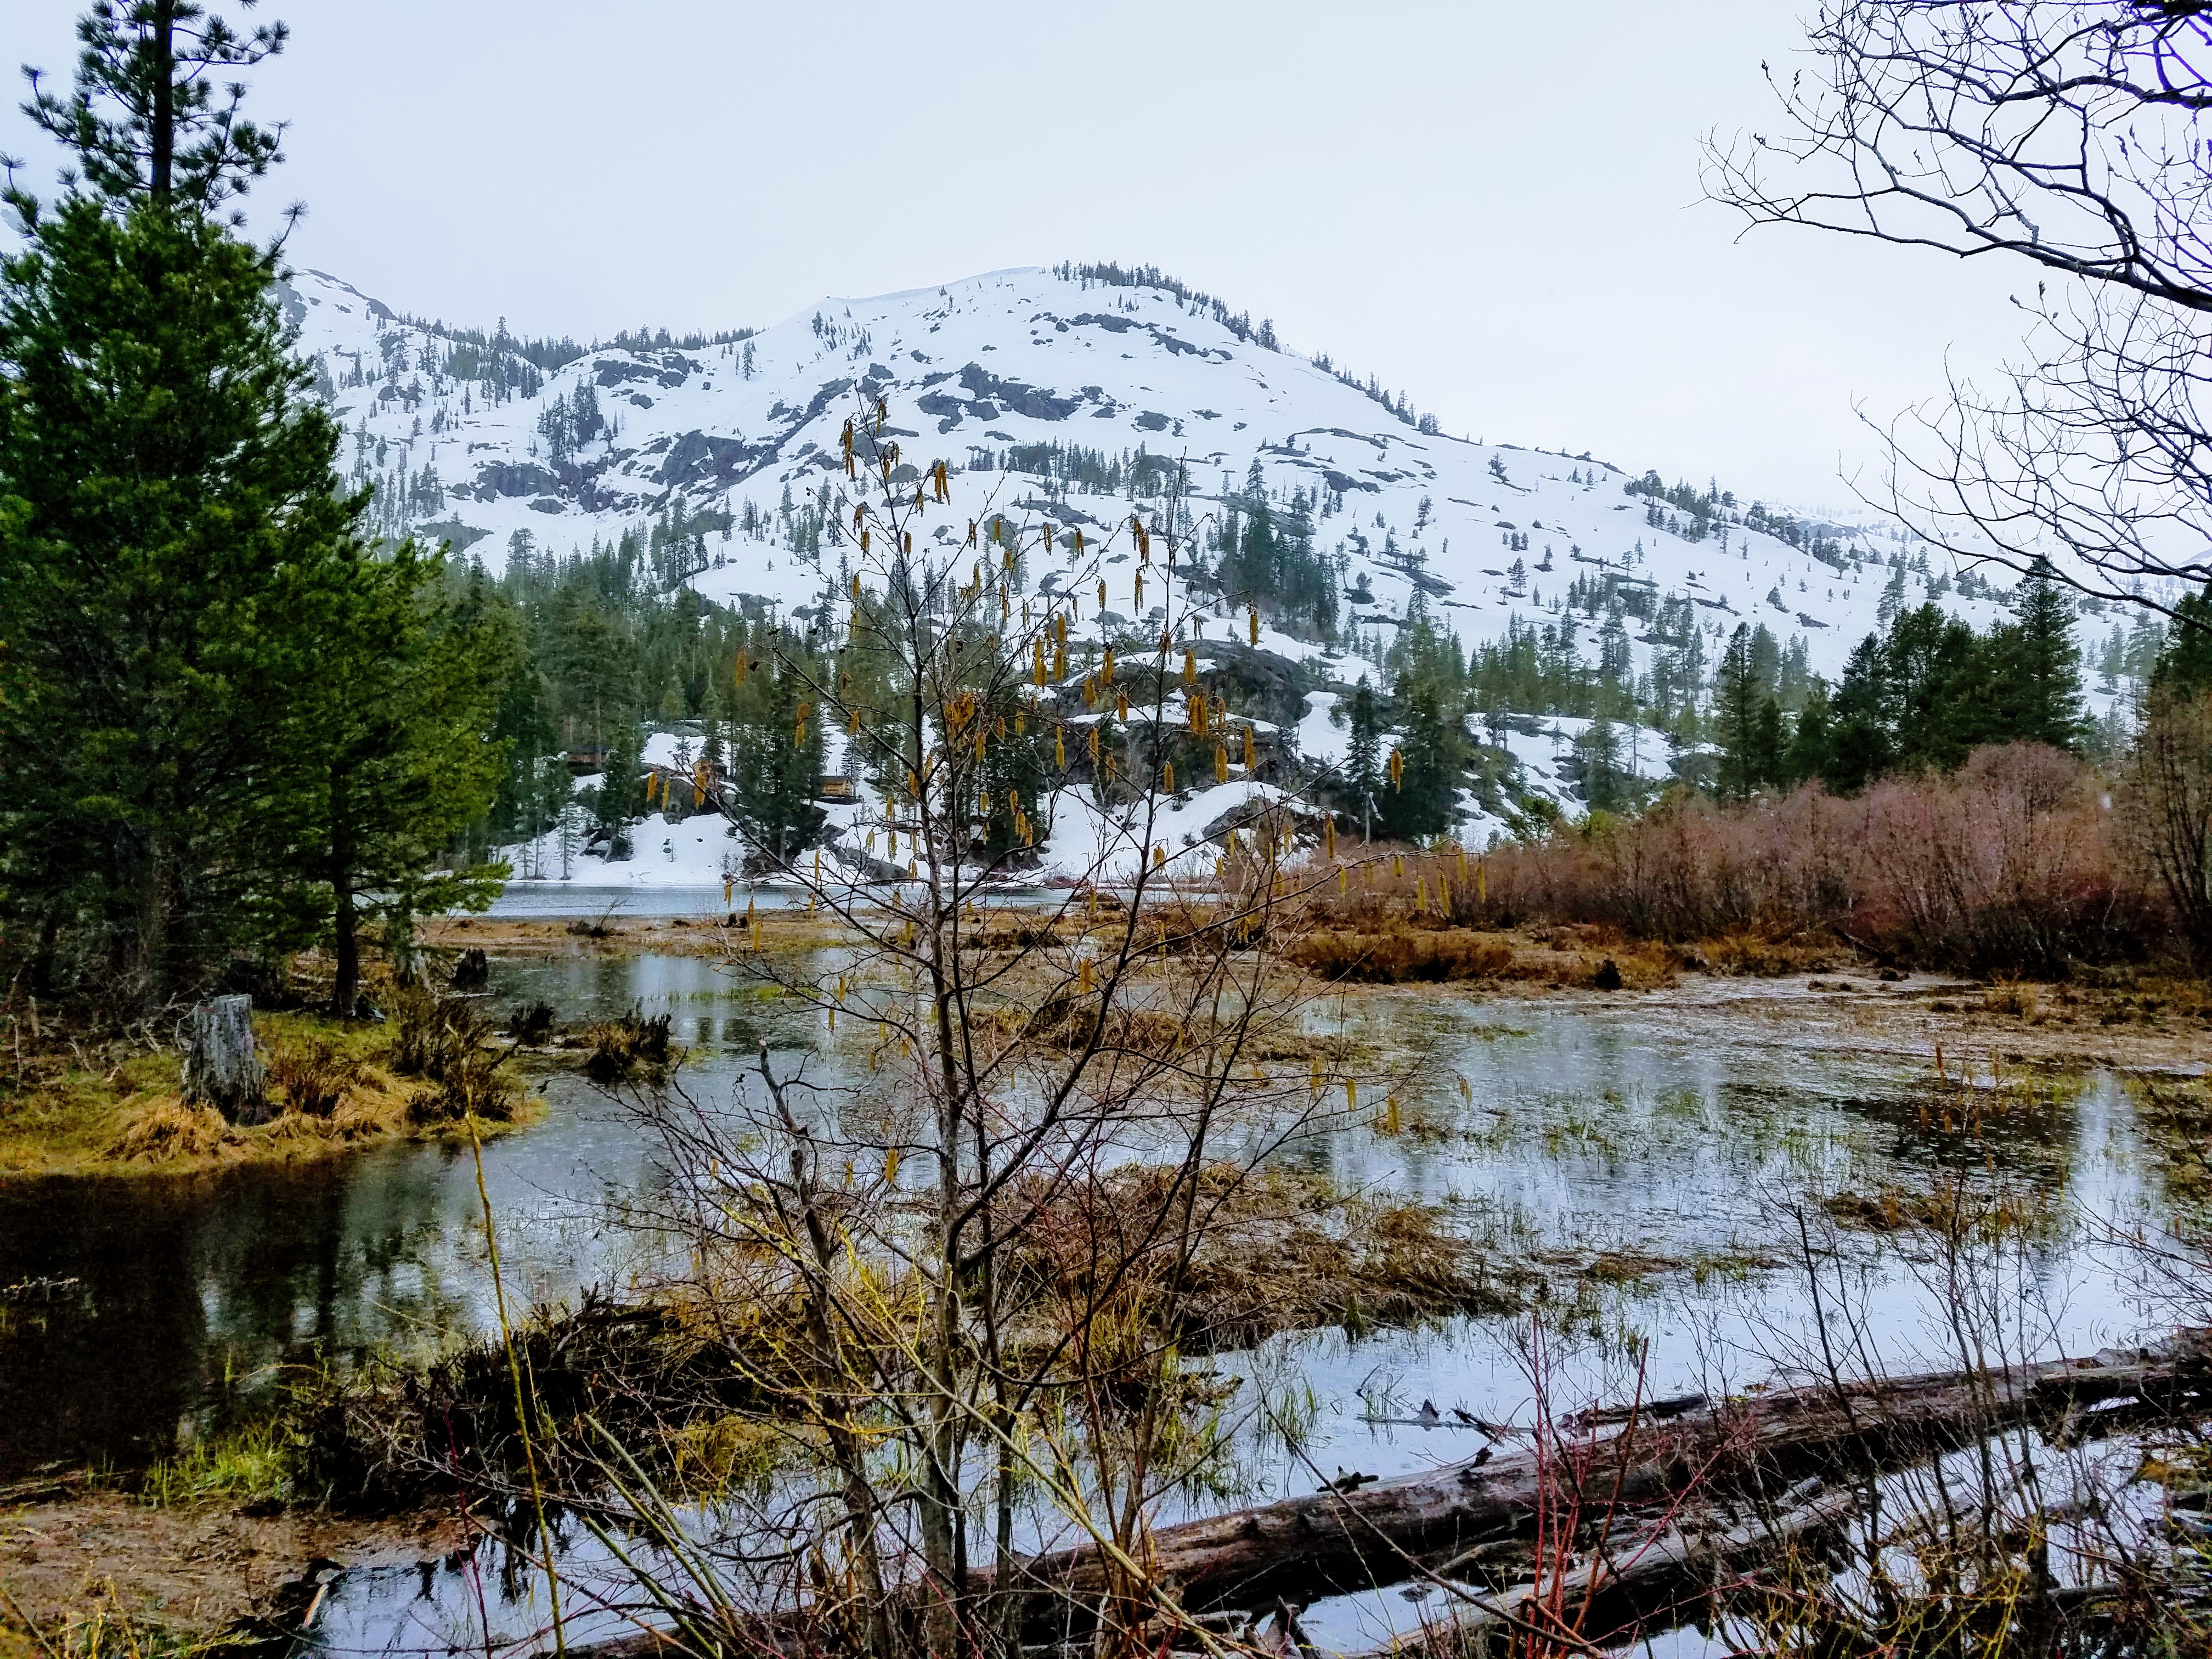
x=1398, y=865
x=1102, y=594
x=1351, y=1095
x=1139, y=590
x=1461, y=852
x=1159, y=856
x=1083, y=976
x=1121, y=704
x=1466, y=1089
x=1190, y=667
x=1391, y=1121
x=1397, y=770
x=1106, y=665
x=1060, y=747
x=1059, y=663
x=1254, y=617
x=1220, y=763
x=1481, y=882
x=1328, y=825
x=1343, y=882
x=891, y=1159
x=1094, y=745
x=1167, y=776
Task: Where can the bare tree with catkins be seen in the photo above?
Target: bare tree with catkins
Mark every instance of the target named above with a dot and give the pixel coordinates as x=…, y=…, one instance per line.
x=957, y=1243
x=2070, y=136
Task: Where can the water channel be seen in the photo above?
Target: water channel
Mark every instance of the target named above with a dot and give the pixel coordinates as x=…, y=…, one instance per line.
x=1672, y=1142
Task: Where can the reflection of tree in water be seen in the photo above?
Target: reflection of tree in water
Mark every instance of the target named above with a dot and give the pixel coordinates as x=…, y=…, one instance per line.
x=190, y=1291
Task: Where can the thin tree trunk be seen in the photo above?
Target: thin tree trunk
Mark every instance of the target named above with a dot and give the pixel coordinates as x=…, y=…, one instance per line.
x=154, y=904
x=345, y=916
x=163, y=139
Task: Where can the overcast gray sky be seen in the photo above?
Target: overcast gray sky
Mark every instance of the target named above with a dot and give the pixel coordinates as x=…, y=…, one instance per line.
x=1494, y=206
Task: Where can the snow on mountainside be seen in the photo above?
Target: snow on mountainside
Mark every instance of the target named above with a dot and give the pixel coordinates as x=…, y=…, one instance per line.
x=469, y=442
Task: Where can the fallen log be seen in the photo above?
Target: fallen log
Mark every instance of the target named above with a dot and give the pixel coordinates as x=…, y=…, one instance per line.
x=1763, y=1446
x=1335, y=1541
x=1614, y=1594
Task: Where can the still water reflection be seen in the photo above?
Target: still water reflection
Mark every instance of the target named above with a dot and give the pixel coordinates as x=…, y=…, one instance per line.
x=191, y=1294
x=1593, y=1129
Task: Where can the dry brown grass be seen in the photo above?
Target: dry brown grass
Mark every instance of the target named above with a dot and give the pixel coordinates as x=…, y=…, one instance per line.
x=1273, y=1253
x=635, y=1042
x=1393, y=957
x=78, y=1109
x=450, y=1043
x=165, y=1131
x=313, y=1076
x=1398, y=950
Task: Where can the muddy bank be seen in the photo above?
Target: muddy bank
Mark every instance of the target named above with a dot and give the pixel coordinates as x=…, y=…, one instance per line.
x=188, y=1572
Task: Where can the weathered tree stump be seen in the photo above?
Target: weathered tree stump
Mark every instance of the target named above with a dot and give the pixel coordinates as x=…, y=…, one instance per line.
x=222, y=1067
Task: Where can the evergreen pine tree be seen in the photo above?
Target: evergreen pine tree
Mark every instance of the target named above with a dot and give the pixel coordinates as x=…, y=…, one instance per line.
x=775, y=766
x=1433, y=747
x=195, y=737
x=1362, y=765
x=169, y=480
x=1767, y=743
x=2039, y=665
x=1811, y=752
x=385, y=756
x=2185, y=662
x=618, y=797
x=1737, y=697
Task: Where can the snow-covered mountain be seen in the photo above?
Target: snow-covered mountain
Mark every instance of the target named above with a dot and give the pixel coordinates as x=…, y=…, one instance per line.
x=1079, y=391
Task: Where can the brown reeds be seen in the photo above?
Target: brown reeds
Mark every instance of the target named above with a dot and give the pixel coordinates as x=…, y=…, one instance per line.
x=2010, y=864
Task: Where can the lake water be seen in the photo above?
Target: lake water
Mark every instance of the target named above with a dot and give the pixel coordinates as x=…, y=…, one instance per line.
x=1677, y=1138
